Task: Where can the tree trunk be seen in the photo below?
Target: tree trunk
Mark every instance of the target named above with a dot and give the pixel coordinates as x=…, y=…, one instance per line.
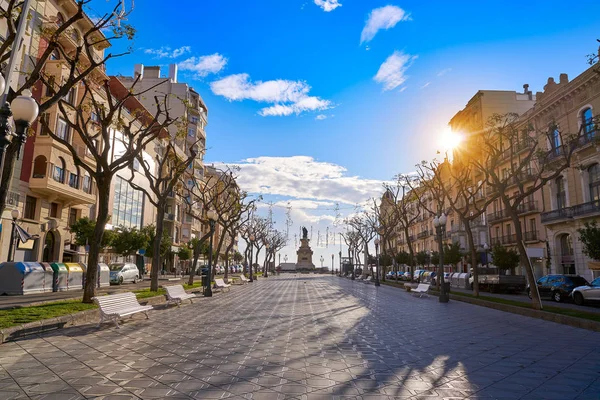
x=160, y=214
x=7, y=172
x=412, y=256
x=194, y=263
x=536, y=302
x=473, y=258
x=91, y=275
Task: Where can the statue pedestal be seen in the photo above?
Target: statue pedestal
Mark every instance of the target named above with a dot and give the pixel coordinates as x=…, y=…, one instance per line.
x=304, y=256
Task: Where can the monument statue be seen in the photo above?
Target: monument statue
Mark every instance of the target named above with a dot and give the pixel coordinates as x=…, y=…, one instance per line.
x=304, y=253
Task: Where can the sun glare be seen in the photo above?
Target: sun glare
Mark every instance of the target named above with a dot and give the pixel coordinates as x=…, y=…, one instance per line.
x=451, y=140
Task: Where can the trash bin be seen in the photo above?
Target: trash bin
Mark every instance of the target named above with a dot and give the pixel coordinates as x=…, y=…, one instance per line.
x=103, y=275
x=61, y=275
x=21, y=278
x=48, y=277
x=463, y=280
x=75, y=276
x=205, y=281
x=84, y=268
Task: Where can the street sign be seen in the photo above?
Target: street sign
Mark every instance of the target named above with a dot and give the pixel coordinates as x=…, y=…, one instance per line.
x=141, y=252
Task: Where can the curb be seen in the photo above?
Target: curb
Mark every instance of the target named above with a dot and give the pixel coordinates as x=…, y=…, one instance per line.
x=80, y=318
x=529, y=312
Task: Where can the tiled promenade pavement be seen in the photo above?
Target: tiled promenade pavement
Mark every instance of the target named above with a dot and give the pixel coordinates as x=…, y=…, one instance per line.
x=309, y=337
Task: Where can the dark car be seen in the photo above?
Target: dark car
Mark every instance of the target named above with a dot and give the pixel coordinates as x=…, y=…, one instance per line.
x=557, y=287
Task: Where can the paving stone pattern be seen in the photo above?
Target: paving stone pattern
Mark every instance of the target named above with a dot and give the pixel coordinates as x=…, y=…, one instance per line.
x=309, y=337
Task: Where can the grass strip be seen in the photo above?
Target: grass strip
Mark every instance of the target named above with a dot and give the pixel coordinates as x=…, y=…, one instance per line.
x=552, y=309
x=24, y=315
x=556, y=310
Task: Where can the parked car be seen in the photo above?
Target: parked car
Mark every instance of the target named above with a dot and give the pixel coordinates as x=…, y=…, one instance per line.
x=587, y=293
x=557, y=287
x=123, y=272
x=406, y=276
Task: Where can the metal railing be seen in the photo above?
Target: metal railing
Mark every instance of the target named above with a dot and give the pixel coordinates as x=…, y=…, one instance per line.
x=592, y=207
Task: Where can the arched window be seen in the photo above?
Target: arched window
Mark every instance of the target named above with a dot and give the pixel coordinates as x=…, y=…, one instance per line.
x=39, y=167
x=76, y=36
x=59, y=170
x=60, y=19
x=561, y=194
x=587, y=123
x=594, y=179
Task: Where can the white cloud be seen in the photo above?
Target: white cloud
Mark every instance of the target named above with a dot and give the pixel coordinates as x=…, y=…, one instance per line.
x=425, y=85
x=204, y=65
x=289, y=97
x=444, y=72
x=303, y=177
x=305, y=204
x=328, y=5
x=167, y=52
x=392, y=73
x=321, y=117
x=382, y=18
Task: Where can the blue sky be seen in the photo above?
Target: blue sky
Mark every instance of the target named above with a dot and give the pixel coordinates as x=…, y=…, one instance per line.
x=350, y=132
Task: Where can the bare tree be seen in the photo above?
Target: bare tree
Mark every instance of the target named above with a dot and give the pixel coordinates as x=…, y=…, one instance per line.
x=466, y=198
x=114, y=130
x=352, y=240
x=404, y=210
x=365, y=225
x=516, y=165
x=81, y=61
x=276, y=241
x=162, y=180
x=219, y=192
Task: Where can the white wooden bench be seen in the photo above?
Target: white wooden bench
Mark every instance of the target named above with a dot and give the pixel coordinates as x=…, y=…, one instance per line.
x=176, y=294
x=421, y=290
x=115, y=306
x=243, y=279
x=367, y=279
x=220, y=284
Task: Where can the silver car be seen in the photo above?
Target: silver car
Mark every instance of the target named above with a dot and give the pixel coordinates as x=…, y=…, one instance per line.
x=123, y=272
x=587, y=293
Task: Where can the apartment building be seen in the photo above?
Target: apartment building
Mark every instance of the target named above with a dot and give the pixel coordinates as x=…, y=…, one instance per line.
x=186, y=105
x=571, y=107
x=47, y=188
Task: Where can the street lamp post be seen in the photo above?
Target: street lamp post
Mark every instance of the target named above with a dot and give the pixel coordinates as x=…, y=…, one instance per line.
x=485, y=249
x=212, y=219
x=251, y=251
x=332, y=272
x=267, y=258
x=340, y=254
x=377, y=256
x=24, y=111
x=440, y=224
x=11, y=245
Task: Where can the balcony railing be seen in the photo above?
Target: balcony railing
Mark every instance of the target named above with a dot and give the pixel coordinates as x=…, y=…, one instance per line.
x=496, y=215
x=529, y=206
x=530, y=236
x=592, y=207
